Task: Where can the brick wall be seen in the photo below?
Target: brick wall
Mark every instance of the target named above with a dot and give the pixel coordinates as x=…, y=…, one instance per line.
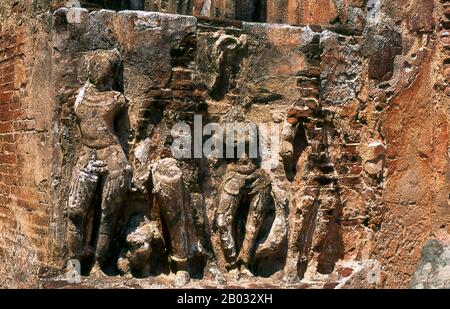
x=24, y=154
x=11, y=48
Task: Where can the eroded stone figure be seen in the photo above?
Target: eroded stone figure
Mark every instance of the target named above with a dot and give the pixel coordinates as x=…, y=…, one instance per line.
x=293, y=139
x=243, y=183
x=228, y=52
x=102, y=174
x=141, y=236
x=169, y=189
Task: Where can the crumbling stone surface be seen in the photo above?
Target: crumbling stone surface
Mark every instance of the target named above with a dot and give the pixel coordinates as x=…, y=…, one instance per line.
x=359, y=275
x=433, y=270
x=91, y=90
x=141, y=237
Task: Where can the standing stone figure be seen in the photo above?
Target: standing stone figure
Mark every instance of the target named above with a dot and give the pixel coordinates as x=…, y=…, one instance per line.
x=243, y=183
x=102, y=174
x=168, y=188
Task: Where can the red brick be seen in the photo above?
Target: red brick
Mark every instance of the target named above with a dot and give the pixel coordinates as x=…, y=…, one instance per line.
x=8, y=137
x=6, y=87
x=10, y=106
x=6, y=127
x=8, y=147
x=6, y=96
x=6, y=68
x=6, y=78
x=8, y=159
x=9, y=114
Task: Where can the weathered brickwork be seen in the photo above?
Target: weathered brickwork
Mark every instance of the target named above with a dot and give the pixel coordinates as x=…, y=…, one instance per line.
x=24, y=141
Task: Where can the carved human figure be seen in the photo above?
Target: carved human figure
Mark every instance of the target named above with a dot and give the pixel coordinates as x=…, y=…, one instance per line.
x=243, y=183
x=102, y=173
x=168, y=188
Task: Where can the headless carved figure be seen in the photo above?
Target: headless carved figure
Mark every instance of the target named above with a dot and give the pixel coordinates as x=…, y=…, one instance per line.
x=169, y=190
x=102, y=172
x=243, y=181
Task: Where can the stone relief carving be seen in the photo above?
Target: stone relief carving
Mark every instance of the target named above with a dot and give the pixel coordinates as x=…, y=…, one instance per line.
x=189, y=218
x=243, y=184
x=169, y=190
x=141, y=236
x=228, y=51
x=102, y=174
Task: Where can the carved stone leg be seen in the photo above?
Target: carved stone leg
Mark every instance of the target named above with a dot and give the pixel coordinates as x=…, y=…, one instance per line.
x=169, y=190
x=173, y=216
x=301, y=232
x=226, y=212
x=258, y=210
x=294, y=262
x=81, y=197
x=200, y=223
x=115, y=188
x=279, y=231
